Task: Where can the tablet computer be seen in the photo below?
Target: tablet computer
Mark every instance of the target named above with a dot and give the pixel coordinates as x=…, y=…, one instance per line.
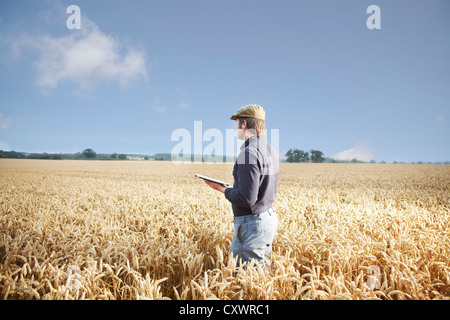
x=225, y=184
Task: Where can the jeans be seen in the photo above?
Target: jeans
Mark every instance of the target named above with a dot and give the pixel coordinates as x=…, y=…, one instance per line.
x=253, y=237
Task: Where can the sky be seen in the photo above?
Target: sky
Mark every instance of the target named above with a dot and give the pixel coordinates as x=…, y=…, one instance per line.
x=135, y=72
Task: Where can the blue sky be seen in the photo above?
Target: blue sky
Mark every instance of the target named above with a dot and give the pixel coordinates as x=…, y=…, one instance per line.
x=138, y=70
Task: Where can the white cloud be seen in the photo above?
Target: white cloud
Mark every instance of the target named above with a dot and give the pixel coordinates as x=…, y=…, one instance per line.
x=440, y=119
x=184, y=105
x=4, y=146
x=184, y=93
x=361, y=152
x=85, y=57
x=157, y=107
x=4, y=122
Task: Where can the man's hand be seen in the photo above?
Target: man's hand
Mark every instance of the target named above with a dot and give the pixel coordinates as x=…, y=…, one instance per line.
x=215, y=186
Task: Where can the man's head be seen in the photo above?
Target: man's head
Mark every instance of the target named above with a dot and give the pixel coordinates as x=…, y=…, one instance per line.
x=250, y=121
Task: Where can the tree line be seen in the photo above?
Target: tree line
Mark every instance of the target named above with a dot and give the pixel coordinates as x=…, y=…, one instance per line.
x=296, y=155
x=291, y=156
x=87, y=154
x=315, y=156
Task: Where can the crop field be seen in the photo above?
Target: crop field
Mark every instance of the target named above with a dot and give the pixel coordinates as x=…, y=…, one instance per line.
x=151, y=230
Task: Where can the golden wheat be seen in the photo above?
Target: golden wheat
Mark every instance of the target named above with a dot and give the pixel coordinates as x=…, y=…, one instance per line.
x=150, y=230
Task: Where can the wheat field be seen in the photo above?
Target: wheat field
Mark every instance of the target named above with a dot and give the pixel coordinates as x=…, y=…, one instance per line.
x=150, y=230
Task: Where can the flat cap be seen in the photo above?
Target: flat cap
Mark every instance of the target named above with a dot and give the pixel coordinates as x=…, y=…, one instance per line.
x=250, y=111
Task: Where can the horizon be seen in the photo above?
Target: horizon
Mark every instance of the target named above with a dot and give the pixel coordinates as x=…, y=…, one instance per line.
x=364, y=80
x=225, y=158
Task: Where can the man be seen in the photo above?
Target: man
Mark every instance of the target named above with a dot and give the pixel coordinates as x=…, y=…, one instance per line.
x=255, y=184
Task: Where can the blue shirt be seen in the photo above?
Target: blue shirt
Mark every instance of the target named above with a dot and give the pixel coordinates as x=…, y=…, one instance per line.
x=255, y=177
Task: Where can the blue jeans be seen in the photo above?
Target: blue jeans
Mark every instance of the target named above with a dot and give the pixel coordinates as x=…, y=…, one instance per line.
x=253, y=237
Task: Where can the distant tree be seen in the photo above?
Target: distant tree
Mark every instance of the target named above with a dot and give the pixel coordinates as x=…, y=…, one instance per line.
x=89, y=154
x=12, y=154
x=163, y=156
x=317, y=156
x=295, y=155
x=289, y=155
x=114, y=156
x=303, y=156
x=122, y=156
